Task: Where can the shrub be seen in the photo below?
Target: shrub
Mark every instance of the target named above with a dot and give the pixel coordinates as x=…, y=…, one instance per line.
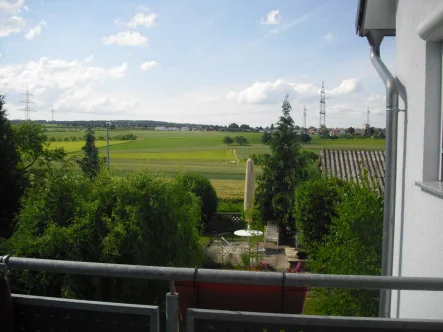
x=66, y=139
x=52, y=139
x=74, y=138
x=352, y=247
x=314, y=209
x=125, y=137
x=138, y=219
x=230, y=205
x=203, y=189
x=228, y=140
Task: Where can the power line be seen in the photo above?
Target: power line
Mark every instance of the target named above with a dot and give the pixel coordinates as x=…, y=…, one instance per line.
x=26, y=103
x=322, y=105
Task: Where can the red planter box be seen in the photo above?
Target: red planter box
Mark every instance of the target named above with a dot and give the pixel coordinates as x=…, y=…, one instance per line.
x=238, y=297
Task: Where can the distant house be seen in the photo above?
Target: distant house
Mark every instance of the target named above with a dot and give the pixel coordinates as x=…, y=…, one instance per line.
x=349, y=165
x=312, y=131
x=173, y=129
x=185, y=129
x=161, y=128
x=359, y=132
x=334, y=132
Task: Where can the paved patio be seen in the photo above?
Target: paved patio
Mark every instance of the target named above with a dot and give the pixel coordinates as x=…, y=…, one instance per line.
x=222, y=252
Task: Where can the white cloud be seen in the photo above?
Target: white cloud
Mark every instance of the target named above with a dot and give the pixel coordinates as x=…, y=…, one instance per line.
x=11, y=7
x=11, y=25
x=271, y=18
x=346, y=86
x=329, y=36
x=273, y=92
x=126, y=38
x=65, y=85
x=35, y=31
x=291, y=24
x=149, y=65
x=141, y=19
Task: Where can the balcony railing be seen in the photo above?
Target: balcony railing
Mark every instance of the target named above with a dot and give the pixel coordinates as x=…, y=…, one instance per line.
x=33, y=313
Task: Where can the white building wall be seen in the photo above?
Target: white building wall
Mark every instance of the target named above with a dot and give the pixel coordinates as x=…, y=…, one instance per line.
x=418, y=246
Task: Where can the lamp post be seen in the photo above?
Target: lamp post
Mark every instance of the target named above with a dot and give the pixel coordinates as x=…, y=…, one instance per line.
x=108, y=124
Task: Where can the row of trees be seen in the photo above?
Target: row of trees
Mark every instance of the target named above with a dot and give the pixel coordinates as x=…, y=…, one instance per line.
x=123, y=137
x=240, y=140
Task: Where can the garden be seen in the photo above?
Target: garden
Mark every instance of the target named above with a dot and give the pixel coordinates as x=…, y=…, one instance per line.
x=146, y=218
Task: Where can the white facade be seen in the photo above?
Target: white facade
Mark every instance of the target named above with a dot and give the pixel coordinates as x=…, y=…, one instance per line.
x=418, y=244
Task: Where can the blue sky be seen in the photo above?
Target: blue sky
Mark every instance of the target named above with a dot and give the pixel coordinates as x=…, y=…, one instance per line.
x=204, y=61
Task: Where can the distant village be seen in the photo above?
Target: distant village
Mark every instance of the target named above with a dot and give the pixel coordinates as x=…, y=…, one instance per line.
x=364, y=131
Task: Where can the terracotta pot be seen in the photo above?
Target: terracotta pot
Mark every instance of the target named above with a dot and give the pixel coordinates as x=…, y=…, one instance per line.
x=236, y=297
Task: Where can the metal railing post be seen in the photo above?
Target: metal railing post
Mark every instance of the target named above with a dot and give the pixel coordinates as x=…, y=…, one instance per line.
x=172, y=318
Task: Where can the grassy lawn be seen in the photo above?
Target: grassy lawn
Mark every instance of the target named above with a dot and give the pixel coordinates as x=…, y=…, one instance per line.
x=168, y=152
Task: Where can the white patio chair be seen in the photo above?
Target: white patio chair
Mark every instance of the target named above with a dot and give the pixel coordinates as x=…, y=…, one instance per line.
x=271, y=234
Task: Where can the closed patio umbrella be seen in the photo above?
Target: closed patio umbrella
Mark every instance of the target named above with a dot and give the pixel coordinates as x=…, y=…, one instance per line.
x=249, y=188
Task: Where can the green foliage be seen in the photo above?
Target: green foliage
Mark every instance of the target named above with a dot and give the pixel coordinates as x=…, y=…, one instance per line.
x=324, y=132
x=314, y=209
x=228, y=140
x=73, y=138
x=90, y=164
x=266, y=138
x=241, y=140
x=306, y=138
x=201, y=187
x=309, y=156
x=353, y=247
x=12, y=178
x=33, y=146
x=260, y=158
x=282, y=172
x=139, y=219
x=125, y=137
x=230, y=205
x=233, y=127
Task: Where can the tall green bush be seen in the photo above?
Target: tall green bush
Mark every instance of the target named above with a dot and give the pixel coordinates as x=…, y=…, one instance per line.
x=353, y=247
x=201, y=187
x=314, y=209
x=138, y=219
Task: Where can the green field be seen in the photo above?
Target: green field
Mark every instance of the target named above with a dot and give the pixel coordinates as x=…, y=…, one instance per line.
x=203, y=152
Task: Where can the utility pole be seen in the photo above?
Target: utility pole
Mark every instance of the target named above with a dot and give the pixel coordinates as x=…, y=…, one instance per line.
x=322, y=105
x=52, y=112
x=304, y=118
x=26, y=103
x=108, y=124
x=368, y=124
